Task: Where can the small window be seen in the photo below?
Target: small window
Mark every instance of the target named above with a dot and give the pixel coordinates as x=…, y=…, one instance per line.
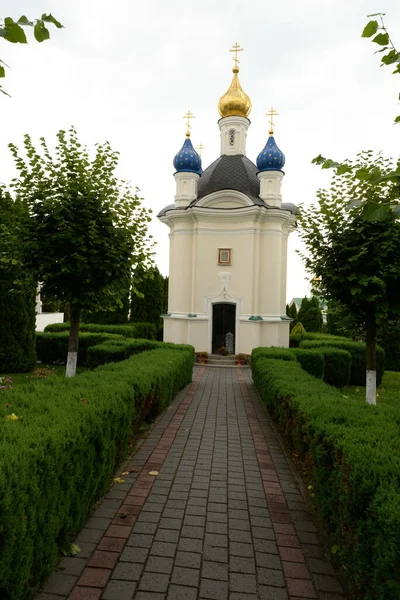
x=224, y=256
x=231, y=137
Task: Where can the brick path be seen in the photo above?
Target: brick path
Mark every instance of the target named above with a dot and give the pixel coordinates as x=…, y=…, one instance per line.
x=224, y=518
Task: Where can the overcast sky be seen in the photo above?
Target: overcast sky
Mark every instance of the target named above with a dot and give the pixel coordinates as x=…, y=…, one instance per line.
x=126, y=71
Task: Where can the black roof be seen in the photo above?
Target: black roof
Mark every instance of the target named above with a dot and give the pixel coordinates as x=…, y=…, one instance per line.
x=235, y=172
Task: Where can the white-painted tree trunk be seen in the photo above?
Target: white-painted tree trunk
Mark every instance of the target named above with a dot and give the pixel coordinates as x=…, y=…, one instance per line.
x=371, y=387
x=71, y=364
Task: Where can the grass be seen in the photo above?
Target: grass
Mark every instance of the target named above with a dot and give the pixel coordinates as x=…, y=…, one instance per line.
x=39, y=372
x=387, y=394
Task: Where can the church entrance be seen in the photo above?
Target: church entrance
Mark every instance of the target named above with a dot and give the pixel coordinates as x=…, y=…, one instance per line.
x=223, y=327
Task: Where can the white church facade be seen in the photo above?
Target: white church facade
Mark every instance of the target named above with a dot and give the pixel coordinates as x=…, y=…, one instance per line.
x=228, y=241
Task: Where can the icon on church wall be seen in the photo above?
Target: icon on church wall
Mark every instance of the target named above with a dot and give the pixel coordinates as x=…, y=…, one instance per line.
x=224, y=256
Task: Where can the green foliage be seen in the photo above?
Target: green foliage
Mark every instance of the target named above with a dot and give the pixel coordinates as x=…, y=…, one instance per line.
x=276, y=353
x=17, y=292
x=310, y=315
x=392, y=56
x=342, y=323
x=389, y=339
x=56, y=461
x=358, y=358
x=86, y=229
x=149, y=297
x=52, y=348
x=298, y=329
x=311, y=361
x=131, y=330
x=353, y=452
x=295, y=339
x=337, y=366
x=12, y=31
x=291, y=312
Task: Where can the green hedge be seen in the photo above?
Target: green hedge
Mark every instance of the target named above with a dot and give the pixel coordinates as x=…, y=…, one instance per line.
x=354, y=452
x=358, y=358
x=52, y=348
x=295, y=340
x=330, y=364
x=117, y=349
x=146, y=331
x=57, y=460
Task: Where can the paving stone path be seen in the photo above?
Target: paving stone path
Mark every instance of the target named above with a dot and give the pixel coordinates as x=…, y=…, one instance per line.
x=224, y=519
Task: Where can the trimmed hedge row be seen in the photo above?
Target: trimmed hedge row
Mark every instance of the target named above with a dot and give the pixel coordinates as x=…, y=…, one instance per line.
x=353, y=450
x=296, y=339
x=52, y=348
x=117, y=349
x=57, y=460
x=358, y=357
x=330, y=364
x=146, y=331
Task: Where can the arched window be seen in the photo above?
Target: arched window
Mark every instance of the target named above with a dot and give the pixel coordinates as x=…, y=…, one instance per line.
x=231, y=137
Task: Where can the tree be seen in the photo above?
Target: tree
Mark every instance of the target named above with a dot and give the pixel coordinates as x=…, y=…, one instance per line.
x=358, y=261
x=17, y=292
x=371, y=173
x=86, y=228
x=340, y=322
x=12, y=31
x=310, y=315
x=291, y=312
x=152, y=300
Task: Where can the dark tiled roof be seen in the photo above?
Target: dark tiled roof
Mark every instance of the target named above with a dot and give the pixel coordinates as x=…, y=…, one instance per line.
x=235, y=172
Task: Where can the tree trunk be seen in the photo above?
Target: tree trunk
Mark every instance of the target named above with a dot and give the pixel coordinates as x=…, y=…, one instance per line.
x=75, y=317
x=371, y=357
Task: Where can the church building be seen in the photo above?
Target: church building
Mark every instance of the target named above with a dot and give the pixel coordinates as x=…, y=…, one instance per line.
x=228, y=240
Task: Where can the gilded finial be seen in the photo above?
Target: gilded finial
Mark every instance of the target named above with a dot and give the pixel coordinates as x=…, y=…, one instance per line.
x=236, y=48
x=189, y=115
x=271, y=114
x=235, y=102
x=199, y=148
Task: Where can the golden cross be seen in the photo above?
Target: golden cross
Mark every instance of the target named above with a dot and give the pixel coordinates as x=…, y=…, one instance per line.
x=271, y=114
x=236, y=48
x=200, y=147
x=188, y=116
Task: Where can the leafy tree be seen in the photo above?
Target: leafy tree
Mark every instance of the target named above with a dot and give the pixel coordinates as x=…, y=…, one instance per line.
x=340, y=322
x=12, y=31
x=358, y=261
x=298, y=329
x=310, y=315
x=372, y=174
x=86, y=228
x=17, y=292
x=291, y=312
x=152, y=300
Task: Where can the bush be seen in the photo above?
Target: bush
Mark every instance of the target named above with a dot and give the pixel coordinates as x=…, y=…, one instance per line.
x=311, y=361
x=298, y=329
x=57, y=460
x=134, y=330
x=358, y=358
x=52, y=348
x=353, y=452
x=337, y=366
x=115, y=350
x=296, y=339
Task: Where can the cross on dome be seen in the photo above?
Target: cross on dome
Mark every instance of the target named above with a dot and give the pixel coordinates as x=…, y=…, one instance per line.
x=200, y=147
x=236, y=48
x=271, y=114
x=189, y=115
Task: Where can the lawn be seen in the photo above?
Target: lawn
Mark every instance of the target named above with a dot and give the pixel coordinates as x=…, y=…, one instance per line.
x=388, y=393
x=8, y=380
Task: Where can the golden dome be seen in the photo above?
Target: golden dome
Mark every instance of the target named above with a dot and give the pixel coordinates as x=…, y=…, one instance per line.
x=235, y=102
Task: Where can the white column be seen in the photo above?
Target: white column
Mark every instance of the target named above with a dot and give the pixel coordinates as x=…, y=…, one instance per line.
x=270, y=187
x=186, y=188
x=233, y=135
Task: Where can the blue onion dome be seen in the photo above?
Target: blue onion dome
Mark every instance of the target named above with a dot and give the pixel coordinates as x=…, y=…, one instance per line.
x=271, y=158
x=187, y=160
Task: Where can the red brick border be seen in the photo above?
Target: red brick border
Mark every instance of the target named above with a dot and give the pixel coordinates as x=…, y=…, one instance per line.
x=95, y=576
x=297, y=574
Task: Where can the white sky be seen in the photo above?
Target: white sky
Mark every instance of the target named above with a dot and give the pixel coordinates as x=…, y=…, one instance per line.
x=126, y=71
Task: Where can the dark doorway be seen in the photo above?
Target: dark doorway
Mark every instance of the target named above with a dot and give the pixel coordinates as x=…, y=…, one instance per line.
x=223, y=324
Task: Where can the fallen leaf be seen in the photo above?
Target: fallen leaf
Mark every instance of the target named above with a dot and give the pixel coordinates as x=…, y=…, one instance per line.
x=73, y=550
x=119, y=480
x=7, y=405
x=123, y=516
x=132, y=470
x=153, y=472
x=12, y=417
x=334, y=549
x=125, y=473
x=84, y=401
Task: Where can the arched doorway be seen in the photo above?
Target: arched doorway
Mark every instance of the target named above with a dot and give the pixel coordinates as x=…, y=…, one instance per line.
x=223, y=326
